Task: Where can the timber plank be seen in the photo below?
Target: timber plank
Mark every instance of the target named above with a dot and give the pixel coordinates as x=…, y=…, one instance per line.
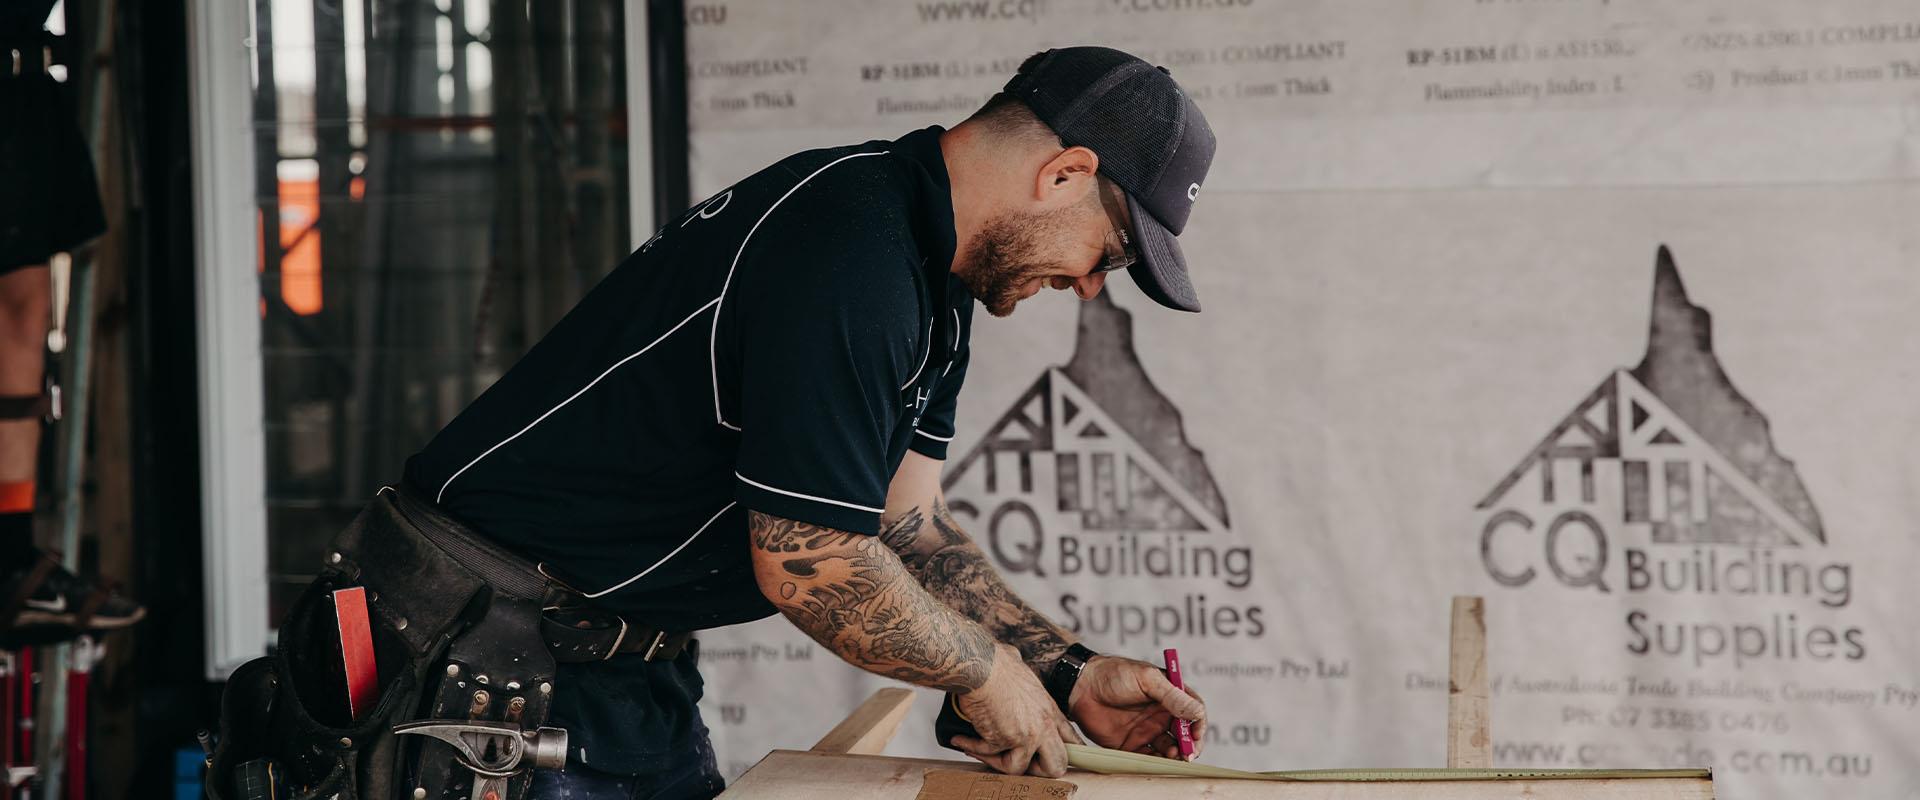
x=793, y=775
x=1469, y=741
x=871, y=726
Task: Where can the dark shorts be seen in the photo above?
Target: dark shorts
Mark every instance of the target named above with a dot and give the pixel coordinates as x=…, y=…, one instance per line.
x=49, y=200
x=633, y=731
x=691, y=775
x=630, y=717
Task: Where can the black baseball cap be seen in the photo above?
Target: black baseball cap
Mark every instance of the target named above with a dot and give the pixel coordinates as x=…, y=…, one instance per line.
x=1152, y=141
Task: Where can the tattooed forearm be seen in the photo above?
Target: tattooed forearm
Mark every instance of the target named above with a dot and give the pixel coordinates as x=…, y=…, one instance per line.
x=953, y=569
x=899, y=534
x=853, y=596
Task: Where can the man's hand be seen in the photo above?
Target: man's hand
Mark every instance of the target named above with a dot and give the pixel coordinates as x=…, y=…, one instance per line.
x=1130, y=705
x=1020, y=729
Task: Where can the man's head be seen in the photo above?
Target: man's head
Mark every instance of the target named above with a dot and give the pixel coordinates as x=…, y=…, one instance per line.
x=1036, y=206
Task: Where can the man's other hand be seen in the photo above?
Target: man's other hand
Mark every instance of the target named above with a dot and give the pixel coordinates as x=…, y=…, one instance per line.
x=1021, y=730
x=1130, y=705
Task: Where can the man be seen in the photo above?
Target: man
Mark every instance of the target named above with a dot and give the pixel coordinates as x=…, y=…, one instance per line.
x=750, y=415
x=49, y=205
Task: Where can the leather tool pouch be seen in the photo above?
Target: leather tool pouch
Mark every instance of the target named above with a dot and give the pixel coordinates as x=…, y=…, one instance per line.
x=459, y=662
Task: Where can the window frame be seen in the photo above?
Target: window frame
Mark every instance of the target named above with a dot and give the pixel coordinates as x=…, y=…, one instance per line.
x=233, y=477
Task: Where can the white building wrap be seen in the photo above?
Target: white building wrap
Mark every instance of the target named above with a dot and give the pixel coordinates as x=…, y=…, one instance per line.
x=1601, y=310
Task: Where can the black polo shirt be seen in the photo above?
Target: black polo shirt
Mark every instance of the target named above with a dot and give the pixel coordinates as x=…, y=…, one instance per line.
x=778, y=348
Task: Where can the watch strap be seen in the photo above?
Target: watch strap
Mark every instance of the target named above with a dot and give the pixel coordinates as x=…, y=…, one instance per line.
x=1066, y=672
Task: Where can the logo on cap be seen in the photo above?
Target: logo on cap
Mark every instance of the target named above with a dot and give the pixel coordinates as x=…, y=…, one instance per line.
x=1193, y=192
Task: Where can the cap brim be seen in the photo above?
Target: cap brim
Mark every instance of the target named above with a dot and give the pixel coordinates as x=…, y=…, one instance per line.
x=1161, y=271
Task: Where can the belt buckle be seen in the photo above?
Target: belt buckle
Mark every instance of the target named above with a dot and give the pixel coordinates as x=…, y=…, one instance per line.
x=654, y=647
x=617, y=640
x=661, y=641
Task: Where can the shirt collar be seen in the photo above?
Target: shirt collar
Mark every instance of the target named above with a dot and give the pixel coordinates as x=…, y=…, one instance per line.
x=933, y=224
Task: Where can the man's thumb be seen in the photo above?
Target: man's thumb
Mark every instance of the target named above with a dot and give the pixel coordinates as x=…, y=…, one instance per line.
x=1176, y=702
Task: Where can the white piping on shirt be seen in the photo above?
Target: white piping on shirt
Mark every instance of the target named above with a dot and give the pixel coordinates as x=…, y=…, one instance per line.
x=713, y=338
x=583, y=390
x=923, y=357
x=933, y=437
x=956, y=344
x=663, y=559
x=841, y=503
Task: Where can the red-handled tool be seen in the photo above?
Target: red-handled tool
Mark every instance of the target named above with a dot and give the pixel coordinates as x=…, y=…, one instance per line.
x=356, y=649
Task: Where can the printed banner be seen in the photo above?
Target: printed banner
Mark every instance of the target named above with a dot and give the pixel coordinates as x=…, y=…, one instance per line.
x=1600, y=310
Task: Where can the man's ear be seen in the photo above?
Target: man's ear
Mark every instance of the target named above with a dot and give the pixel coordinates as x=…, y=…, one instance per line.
x=1065, y=175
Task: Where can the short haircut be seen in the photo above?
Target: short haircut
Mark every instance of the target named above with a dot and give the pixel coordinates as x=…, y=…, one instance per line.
x=1005, y=115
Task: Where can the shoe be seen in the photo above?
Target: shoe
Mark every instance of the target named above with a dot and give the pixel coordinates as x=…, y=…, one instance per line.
x=46, y=603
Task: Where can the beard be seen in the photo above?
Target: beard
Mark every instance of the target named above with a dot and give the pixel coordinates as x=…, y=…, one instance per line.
x=1008, y=253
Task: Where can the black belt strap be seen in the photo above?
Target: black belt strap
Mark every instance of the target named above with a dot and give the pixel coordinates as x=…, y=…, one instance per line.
x=34, y=37
x=574, y=630
x=23, y=406
x=573, y=636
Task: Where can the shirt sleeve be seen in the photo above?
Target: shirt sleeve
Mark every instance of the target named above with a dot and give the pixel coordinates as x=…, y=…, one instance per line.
x=937, y=427
x=824, y=349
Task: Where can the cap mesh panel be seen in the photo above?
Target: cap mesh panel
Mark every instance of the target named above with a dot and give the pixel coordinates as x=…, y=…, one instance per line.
x=1134, y=129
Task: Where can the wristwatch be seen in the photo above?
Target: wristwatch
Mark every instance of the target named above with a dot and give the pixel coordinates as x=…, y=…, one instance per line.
x=1066, y=673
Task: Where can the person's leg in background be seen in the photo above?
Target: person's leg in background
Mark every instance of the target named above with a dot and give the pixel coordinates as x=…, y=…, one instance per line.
x=25, y=294
x=49, y=203
x=39, y=601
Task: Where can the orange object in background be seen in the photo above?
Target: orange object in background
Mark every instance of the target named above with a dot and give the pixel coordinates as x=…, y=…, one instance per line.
x=300, y=244
x=16, y=497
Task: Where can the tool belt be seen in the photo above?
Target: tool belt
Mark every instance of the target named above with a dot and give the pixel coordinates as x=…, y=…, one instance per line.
x=466, y=636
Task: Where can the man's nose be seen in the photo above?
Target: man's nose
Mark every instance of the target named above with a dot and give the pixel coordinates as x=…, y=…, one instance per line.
x=1088, y=286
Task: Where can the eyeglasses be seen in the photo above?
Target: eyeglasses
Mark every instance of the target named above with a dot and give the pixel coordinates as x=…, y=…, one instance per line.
x=1119, y=244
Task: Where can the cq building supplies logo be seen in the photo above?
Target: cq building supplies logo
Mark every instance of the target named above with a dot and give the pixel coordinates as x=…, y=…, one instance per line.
x=1664, y=481
x=1089, y=476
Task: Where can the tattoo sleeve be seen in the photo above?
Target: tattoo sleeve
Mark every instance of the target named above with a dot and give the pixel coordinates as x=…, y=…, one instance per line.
x=953, y=569
x=852, y=595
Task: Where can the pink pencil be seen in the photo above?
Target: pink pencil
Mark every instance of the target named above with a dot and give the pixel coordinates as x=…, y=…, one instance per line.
x=1183, y=727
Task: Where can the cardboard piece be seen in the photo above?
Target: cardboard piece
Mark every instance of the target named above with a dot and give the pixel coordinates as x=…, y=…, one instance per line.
x=953, y=784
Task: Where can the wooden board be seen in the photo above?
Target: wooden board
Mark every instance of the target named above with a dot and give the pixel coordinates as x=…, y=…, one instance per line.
x=792, y=775
x=1469, y=741
x=868, y=729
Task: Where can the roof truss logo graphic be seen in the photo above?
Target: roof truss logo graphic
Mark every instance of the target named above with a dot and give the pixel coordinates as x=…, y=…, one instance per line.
x=1107, y=457
x=1687, y=454
x=1055, y=434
